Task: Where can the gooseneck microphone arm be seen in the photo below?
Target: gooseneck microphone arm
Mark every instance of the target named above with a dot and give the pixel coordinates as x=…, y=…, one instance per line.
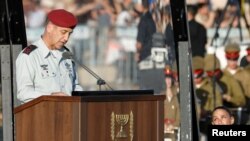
x=100, y=81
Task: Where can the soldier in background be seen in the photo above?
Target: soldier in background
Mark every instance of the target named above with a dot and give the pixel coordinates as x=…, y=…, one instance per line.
x=229, y=88
x=245, y=61
x=239, y=73
x=171, y=107
x=204, y=93
x=203, y=84
x=176, y=77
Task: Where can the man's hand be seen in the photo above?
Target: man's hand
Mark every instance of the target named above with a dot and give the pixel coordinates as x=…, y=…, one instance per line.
x=227, y=97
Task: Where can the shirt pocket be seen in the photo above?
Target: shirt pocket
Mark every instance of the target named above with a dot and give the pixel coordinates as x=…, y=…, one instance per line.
x=46, y=72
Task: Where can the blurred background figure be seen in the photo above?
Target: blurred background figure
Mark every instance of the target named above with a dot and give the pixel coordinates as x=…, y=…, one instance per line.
x=35, y=15
x=169, y=34
x=240, y=74
x=198, y=33
x=206, y=97
x=229, y=88
x=245, y=60
x=151, y=50
x=171, y=107
x=129, y=17
x=231, y=16
x=205, y=15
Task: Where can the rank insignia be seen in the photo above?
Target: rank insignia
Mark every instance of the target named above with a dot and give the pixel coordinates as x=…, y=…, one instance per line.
x=29, y=49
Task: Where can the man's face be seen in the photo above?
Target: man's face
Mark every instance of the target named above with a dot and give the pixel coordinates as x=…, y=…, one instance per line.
x=204, y=10
x=222, y=117
x=59, y=36
x=198, y=80
x=168, y=81
x=232, y=63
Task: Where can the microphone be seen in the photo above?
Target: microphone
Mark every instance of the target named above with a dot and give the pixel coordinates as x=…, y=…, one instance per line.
x=100, y=81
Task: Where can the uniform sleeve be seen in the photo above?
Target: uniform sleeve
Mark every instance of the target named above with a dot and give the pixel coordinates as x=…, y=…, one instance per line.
x=246, y=84
x=177, y=120
x=218, y=99
x=211, y=102
x=236, y=92
x=25, y=73
x=77, y=86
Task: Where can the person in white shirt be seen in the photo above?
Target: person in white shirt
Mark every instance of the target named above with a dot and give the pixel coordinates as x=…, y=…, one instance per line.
x=41, y=68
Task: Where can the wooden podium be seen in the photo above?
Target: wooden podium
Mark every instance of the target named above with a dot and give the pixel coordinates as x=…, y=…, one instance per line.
x=91, y=118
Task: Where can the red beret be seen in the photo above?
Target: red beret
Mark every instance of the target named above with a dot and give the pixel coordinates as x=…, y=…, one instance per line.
x=232, y=55
x=62, y=18
x=198, y=73
x=168, y=72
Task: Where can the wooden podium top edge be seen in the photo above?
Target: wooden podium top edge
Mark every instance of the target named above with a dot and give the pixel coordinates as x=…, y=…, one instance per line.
x=87, y=98
x=47, y=98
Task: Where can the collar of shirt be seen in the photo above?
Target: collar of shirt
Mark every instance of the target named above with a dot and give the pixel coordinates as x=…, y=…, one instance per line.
x=233, y=71
x=45, y=50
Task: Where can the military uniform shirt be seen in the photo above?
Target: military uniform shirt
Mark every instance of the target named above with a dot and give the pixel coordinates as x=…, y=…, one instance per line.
x=42, y=71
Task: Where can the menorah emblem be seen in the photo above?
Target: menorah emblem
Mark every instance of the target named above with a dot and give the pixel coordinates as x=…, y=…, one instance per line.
x=122, y=120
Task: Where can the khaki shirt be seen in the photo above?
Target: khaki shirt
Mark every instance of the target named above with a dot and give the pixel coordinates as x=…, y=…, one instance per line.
x=243, y=78
x=207, y=87
x=172, y=109
x=234, y=90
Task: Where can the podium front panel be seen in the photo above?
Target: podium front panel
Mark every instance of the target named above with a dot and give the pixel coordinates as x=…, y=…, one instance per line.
x=124, y=118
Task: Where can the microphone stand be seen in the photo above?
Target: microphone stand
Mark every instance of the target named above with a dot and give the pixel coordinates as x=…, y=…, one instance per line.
x=100, y=81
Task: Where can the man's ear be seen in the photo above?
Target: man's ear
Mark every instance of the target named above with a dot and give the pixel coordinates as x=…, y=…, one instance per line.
x=49, y=27
x=232, y=120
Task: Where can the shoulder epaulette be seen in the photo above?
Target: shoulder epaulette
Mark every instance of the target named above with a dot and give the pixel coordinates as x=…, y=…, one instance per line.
x=29, y=49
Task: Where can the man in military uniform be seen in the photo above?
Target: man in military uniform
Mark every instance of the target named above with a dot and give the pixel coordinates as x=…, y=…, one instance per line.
x=230, y=89
x=239, y=73
x=202, y=84
x=207, y=99
x=171, y=106
x=245, y=61
x=41, y=68
x=175, y=76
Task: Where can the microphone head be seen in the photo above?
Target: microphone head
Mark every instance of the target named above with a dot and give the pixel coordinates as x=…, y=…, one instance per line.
x=67, y=55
